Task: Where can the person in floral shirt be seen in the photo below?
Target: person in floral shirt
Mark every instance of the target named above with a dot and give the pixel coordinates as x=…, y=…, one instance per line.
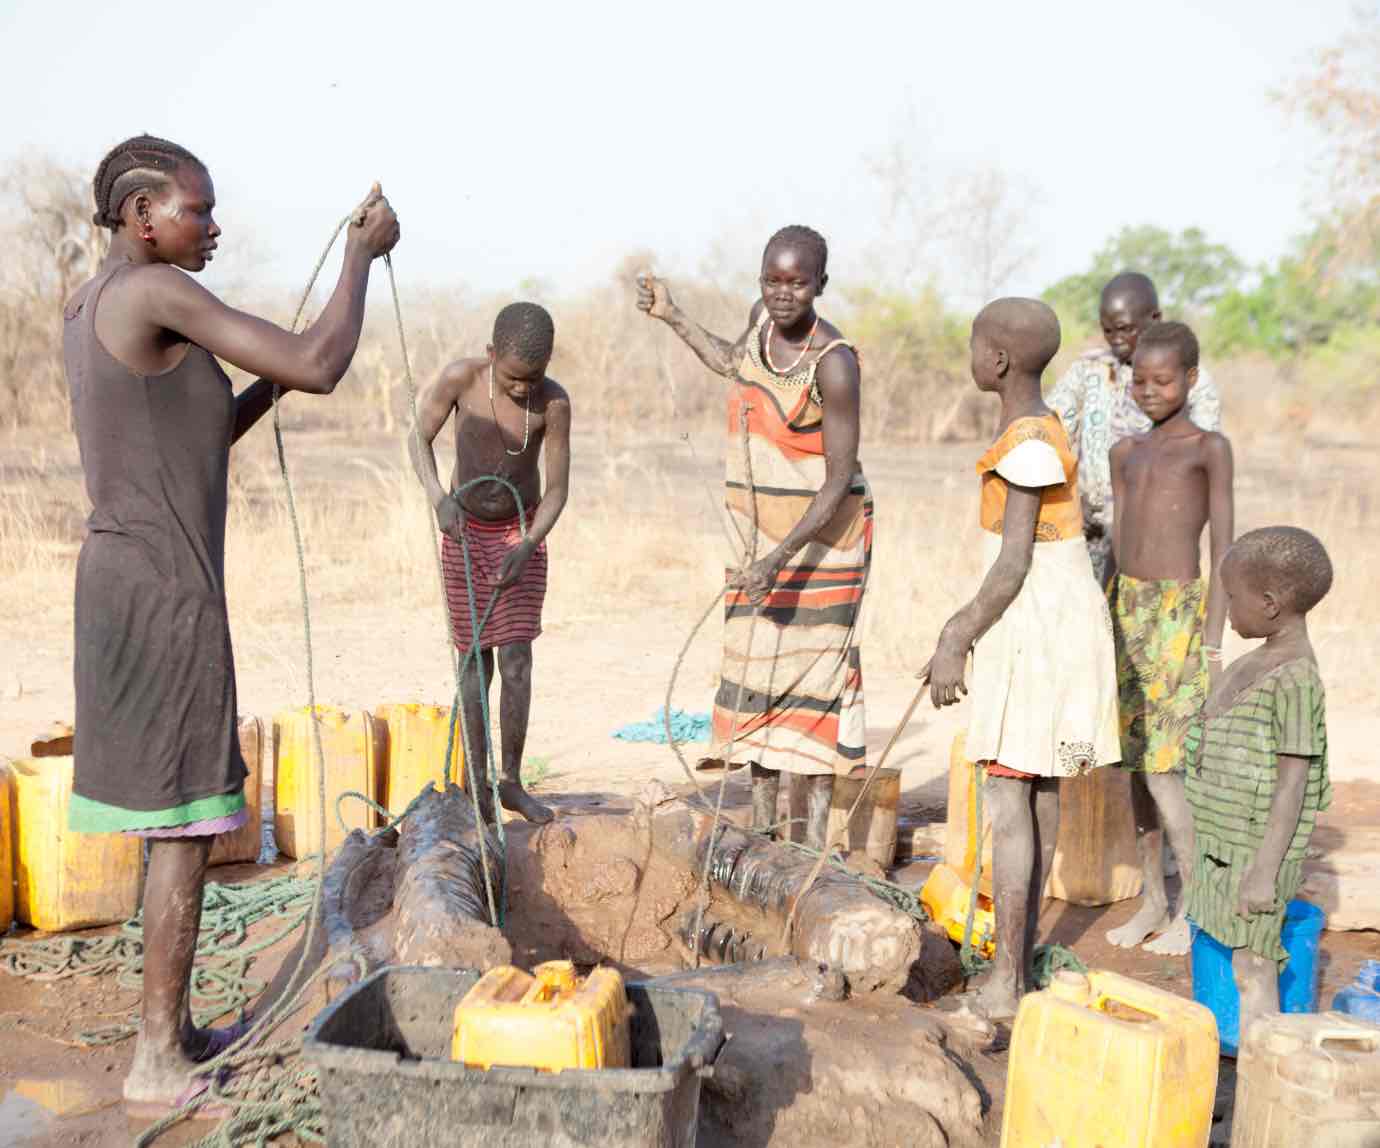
x=1094, y=401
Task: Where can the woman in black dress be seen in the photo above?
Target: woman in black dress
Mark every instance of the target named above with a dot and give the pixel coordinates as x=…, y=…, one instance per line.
x=156, y=748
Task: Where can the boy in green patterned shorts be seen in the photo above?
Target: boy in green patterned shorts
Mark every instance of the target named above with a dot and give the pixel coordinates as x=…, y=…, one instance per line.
x=1166, y=486
x=1257, y=760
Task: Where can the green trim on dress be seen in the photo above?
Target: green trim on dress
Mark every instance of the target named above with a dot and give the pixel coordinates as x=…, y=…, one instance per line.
x=85, y=815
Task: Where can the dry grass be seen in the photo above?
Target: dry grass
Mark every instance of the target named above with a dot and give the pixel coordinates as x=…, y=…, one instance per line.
x=640, y=535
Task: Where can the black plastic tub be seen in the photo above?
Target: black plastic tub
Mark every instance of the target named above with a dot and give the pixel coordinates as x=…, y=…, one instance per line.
x=382, y=1051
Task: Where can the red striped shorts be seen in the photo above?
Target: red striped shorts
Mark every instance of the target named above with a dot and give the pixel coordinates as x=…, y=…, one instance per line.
x=516, y=616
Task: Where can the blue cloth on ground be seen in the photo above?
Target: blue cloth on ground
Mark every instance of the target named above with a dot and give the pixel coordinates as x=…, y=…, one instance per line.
x=684, y=727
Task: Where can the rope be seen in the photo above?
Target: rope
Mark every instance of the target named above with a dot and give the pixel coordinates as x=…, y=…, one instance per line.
x=266, y=1095
x=749, y=557
x=898, y=896
x=295, y=989
x=497, y=910
x=1046, y=960
x=848, y=821
x=970, y=964
x=220, y=978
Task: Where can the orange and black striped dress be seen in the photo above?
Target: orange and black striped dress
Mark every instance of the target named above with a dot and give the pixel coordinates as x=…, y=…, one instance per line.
x=801, y=707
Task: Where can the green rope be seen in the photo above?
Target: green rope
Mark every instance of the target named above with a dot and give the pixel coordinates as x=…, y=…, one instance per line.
x=1046, y=959
x=1051, y=959
x=268, y=1096
x=477, y=624
x=898, y=896
x=974, y=963
x=221, y=983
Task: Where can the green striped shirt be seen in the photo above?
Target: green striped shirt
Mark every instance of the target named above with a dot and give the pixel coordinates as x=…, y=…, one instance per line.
x=1232, y=773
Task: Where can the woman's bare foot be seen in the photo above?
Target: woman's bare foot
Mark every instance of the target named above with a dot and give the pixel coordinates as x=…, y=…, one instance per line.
x=1175, y=941
x=1150, y=918
x=515, y=799
x=161, y=1082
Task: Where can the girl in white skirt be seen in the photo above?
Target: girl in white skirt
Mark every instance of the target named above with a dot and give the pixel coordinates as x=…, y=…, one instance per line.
x=1044, y=667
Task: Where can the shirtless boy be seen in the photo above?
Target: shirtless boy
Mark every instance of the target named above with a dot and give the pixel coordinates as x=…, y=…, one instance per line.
x=1166, y=486
x=505, y=408
x=1094, y=400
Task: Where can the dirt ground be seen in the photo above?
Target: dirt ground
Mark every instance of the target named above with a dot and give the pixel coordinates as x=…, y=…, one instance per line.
x=598, y=666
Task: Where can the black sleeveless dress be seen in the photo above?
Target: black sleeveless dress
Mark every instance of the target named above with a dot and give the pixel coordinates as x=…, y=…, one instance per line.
x=155, y=677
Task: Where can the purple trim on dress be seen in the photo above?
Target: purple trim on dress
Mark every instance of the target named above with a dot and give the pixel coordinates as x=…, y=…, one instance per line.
x=209, y=827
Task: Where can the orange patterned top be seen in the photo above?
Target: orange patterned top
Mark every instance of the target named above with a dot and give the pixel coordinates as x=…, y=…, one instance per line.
x=1033, y=452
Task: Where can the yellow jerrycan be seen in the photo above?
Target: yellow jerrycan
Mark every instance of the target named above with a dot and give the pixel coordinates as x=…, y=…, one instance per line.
x=246, y=842
x=349, y=745
x=947, y=894
x=65, y=880
x=1095, y=860
x=413, y=738
x=550, y=1020
x=1102, y=1061
x=1308, y=1079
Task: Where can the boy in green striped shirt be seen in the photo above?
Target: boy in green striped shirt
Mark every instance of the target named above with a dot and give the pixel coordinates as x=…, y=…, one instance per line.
x=1257, y=759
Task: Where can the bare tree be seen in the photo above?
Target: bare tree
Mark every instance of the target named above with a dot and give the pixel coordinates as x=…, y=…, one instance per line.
x=972, y=237
x=50, y=230
x=1341, y=98
x=989, y=231
x=914, y=220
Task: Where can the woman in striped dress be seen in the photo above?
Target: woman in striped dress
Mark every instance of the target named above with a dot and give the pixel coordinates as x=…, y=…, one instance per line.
x=790, y=693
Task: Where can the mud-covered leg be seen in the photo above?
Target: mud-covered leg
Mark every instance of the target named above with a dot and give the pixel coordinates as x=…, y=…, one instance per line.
x=168, y=1046
x=766, y=786
x=1013, y=862
x=514, y=709
x=1257, y=982
x=1046, y=824
x=819, y=795
x=476, y=752
x=1153, y=914
x=1171, y=803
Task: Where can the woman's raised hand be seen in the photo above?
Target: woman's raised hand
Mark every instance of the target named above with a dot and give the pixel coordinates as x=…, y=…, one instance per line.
x=375, y=225
x=653, y=296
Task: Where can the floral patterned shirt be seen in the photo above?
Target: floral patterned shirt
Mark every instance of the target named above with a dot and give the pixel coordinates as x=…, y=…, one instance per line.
x=1094, y=401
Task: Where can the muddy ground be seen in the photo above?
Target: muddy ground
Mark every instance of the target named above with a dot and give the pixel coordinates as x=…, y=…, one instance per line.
x=801, y=1069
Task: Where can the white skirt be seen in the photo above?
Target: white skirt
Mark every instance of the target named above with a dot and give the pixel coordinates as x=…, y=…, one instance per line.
x=1044, y=687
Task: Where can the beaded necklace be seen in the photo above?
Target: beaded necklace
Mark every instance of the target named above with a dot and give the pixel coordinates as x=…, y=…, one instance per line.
x=526, y=424
x=766, y=347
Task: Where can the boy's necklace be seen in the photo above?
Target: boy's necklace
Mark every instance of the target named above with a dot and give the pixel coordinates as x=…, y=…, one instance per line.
x=810, y=338
x=526, y=423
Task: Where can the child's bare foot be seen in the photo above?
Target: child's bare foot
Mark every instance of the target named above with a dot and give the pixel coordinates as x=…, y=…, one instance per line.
x=1149, y=920
x=515, y=799
x=1175, y=941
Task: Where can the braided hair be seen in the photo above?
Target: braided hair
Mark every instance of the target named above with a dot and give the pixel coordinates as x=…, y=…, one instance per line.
x=525, y=329
x=139, y=163
x=804, y=239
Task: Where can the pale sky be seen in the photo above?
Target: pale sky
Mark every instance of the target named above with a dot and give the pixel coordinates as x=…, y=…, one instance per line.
x=549, y=139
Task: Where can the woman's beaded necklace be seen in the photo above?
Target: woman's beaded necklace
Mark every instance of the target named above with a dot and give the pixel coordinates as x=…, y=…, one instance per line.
x=800, y=358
